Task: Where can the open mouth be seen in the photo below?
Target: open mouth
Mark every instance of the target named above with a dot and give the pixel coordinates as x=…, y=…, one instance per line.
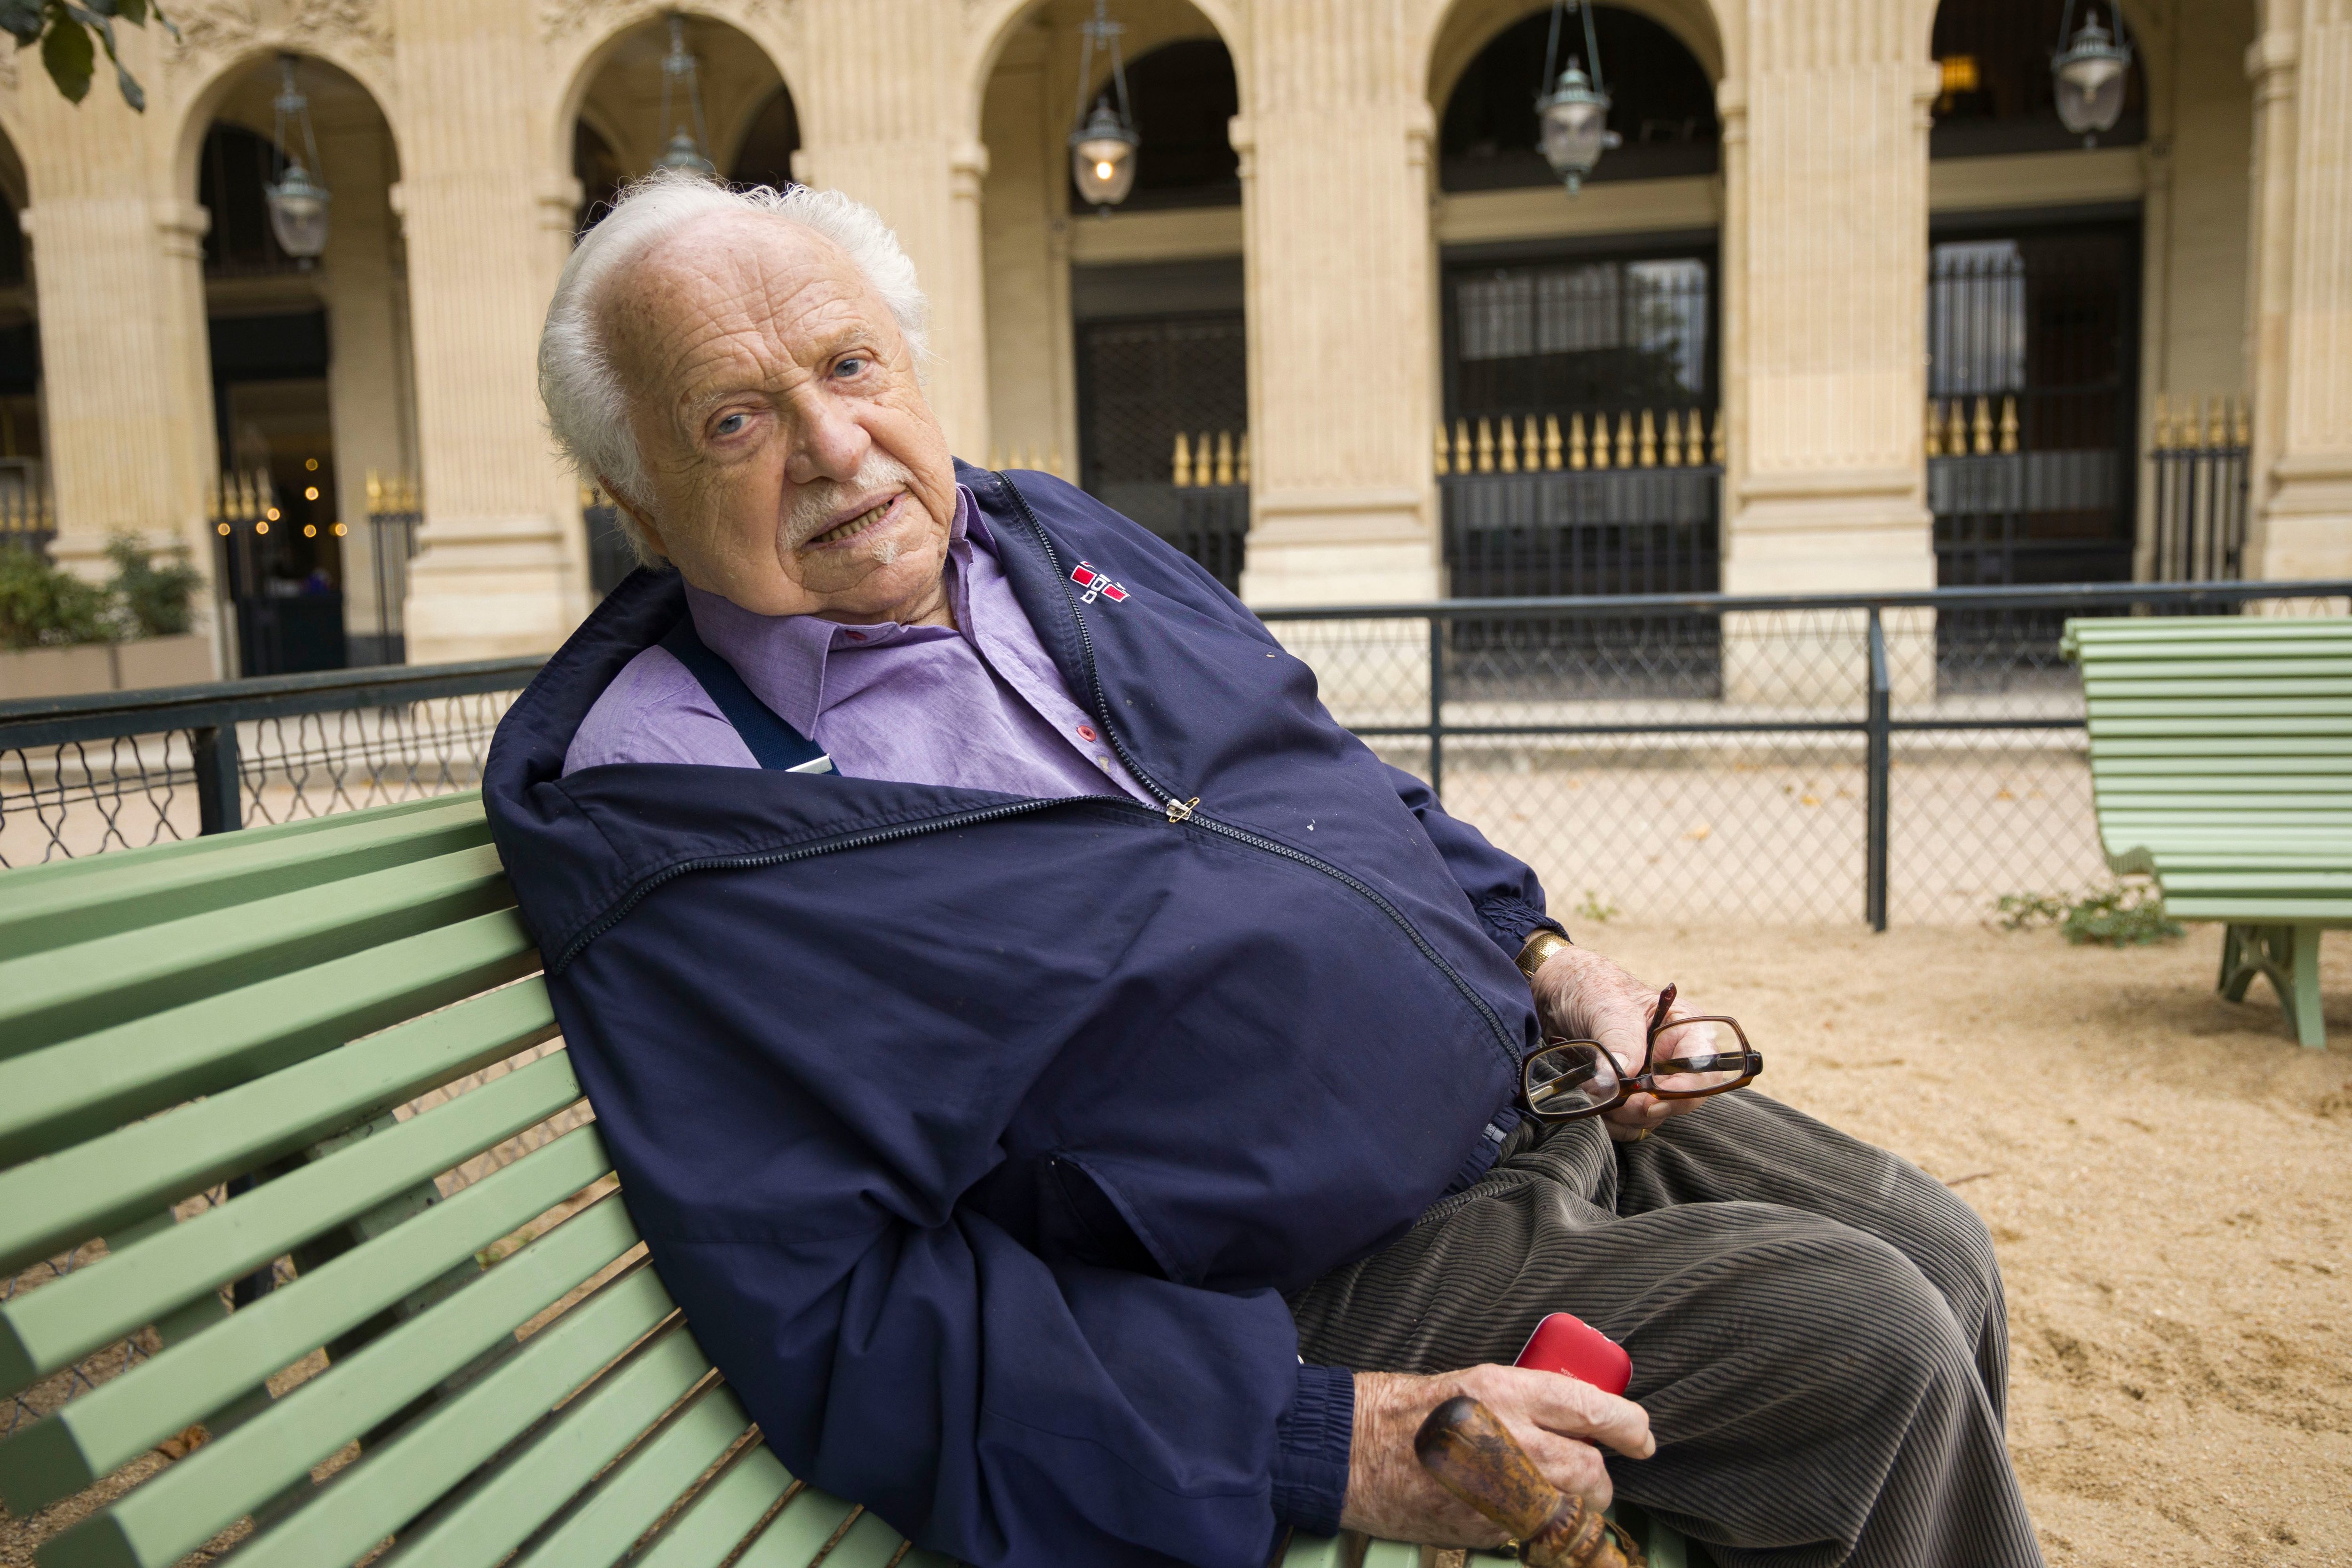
x=842, y=533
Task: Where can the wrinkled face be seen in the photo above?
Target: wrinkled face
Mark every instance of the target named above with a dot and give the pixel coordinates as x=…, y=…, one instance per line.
x=793, y=464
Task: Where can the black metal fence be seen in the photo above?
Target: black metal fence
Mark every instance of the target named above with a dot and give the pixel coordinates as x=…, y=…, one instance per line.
x=83, y=775
x=2197, y=473
x=1685, y=758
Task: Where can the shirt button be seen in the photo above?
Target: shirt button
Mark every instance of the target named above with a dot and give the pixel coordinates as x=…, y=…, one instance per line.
x=1085, y=732
x=856, y=636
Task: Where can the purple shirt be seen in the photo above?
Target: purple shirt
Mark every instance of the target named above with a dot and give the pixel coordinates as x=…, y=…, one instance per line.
x=977, y=705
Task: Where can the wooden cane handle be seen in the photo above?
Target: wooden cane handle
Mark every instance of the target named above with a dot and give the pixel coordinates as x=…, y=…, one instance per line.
x=1473, y=1456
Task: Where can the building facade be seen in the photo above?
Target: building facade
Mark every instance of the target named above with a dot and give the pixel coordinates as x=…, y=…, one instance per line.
x=1846, y=307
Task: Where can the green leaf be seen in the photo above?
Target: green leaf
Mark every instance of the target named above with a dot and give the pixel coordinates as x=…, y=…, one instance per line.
x=132, y=93
x=21, y=20
x=68, y=57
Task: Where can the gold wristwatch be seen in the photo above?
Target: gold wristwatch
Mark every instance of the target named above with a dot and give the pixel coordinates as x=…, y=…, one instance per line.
x=1538, y=946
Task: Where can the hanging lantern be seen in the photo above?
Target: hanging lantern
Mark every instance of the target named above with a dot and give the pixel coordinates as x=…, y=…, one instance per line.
x=2091, y=73
x=682, y=79
x=1573, y=118
x=1102, y=149
x=296, y=198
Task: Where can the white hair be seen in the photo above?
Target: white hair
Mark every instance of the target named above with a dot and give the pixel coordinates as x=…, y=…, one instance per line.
x=587, y=405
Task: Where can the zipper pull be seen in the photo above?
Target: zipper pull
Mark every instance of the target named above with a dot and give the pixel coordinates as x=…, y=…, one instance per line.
x=1181, y=810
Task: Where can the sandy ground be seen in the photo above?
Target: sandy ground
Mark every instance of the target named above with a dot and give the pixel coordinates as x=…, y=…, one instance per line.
x=2168, y=1180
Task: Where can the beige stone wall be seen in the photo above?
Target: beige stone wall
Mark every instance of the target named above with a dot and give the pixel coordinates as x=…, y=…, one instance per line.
x=949, y=117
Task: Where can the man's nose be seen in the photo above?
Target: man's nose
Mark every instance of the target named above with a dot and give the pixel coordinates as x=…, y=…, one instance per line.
x=831, y=444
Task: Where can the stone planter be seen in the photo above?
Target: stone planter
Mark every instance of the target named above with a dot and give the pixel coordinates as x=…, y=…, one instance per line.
x=88, y=668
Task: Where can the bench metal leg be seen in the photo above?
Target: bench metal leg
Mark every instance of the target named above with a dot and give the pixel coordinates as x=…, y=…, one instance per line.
x=2288, y=956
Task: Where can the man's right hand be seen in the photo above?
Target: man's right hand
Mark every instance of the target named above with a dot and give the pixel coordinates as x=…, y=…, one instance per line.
x=1555, y=1418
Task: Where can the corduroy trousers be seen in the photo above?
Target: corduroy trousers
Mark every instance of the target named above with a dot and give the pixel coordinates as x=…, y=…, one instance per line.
x=1816, y=1327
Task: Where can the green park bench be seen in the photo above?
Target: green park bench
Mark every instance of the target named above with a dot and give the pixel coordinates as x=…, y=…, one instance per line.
x=206, y=1049
x=2221, y=764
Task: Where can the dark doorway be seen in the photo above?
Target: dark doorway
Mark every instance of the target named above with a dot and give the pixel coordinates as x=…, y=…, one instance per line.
x=1661, y=103
x=765, y=157
x=1162, y=354
x=1184, y=98
x=283, y=564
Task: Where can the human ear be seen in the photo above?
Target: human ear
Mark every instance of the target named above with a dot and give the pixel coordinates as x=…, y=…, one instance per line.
x=646, y=529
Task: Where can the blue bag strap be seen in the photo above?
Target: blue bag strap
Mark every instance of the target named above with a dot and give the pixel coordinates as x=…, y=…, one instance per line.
x=774, y=743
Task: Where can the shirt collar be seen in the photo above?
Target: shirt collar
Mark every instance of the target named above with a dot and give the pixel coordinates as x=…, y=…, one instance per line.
x=782, y=658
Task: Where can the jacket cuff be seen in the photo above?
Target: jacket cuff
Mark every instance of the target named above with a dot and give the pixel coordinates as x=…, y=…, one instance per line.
x=1311, y=1443
x=1510, y=920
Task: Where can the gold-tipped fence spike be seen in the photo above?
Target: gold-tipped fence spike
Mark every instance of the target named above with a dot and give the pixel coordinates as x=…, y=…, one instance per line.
x=2008, y=424
x=1956, y=430
x=2242, y=428
x=1601, y=440
x=1576, y=441
x=1551, y=442
x=1722, y=446
x=1241, y=459
x=1486, y=447
x=1440, y=452
x=1225, y=457
x=1462, y=447
x=1625, y=440
x=1983, y=426
x=1531, y=446
x=2217, y=426
x=1674, y=453
x=375, y=491
x=1932, y=437
x=1182, y=461
x=1507, y=455
x=1649, y=440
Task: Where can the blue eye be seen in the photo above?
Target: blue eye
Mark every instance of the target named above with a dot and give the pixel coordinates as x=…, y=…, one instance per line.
x=849, y=367
x=732, y=424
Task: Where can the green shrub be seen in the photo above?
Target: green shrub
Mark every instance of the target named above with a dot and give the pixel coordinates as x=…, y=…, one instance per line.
x=153, y=601
x=2128, y=915
x=1596, y=910
x=41, y=607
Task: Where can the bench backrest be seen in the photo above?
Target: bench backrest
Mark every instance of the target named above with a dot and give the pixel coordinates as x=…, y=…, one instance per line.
x=2217, y=730
x=462, y=1331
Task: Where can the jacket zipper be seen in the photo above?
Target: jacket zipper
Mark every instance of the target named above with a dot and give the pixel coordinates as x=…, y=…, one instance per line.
x=1183, y=811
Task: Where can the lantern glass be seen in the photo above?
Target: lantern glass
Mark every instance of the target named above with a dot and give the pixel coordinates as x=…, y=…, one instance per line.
x=1102, y=159
x=2091, y=77
x=685, y=152
x=1574, y=119
x=297, y=213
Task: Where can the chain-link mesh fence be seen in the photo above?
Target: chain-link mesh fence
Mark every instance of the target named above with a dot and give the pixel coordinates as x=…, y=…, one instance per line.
x=1711, y=758
x=82, y=776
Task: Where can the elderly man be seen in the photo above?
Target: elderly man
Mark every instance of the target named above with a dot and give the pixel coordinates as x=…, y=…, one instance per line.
x=1073, y=1086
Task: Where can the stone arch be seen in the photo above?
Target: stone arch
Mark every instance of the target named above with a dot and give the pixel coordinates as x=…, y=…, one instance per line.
x=575, y=59
x=994, y=27
x=201, y=97
x=1456, y=30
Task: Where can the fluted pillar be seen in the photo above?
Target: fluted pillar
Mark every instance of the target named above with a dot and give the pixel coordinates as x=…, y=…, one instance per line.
x=2302, y=70
x=129, y=435
x=1334, y=136
x=1826, y=223
x=494, y=577
x=890, y=137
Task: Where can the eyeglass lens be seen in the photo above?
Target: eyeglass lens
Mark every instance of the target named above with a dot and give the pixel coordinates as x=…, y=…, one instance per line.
x=1563, y=1080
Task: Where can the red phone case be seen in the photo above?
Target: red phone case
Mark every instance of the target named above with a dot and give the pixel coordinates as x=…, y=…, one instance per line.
x=1566, y=1342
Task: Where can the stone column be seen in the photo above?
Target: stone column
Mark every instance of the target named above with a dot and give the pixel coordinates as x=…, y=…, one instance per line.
x=121, y=314
x=888, y=134
x=1827, y=221
x=1824, y=248
x=493, y=578
x=1334, y=136
x=2302, y=348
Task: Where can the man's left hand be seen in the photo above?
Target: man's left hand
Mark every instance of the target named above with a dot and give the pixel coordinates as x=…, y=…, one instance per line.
x=1579, y=995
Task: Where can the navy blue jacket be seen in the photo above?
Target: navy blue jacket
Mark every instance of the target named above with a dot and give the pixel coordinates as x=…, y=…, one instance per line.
x=979, y=1135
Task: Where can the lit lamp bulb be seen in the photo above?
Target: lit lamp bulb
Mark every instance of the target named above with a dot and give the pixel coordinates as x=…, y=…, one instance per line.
x=1102, y=158
x=2091, y=74
x=1574, y=119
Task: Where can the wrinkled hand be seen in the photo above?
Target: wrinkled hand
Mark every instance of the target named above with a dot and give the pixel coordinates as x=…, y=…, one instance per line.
x=1392, y=1497
x=1579, y=995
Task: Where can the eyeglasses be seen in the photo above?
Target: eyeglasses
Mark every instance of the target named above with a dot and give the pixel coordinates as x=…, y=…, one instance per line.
x=1572, y=1078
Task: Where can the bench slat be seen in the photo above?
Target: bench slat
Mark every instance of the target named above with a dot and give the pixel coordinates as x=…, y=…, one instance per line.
x=79, y=1088
x=2274, y=687
x=391, y=1485
x=2298, y=745
x=870, y=1543
x=625, y=1504
x=180, y=1508
x=1392, y=1554
x=2251, y=764
x=2265, y=909
x=25, y=880
x=721, y=1514
x=94, y=1186
x=49, y=997
x=48, y=1329
x=1315, y=1552
x=129, y=891
x=500, y=1511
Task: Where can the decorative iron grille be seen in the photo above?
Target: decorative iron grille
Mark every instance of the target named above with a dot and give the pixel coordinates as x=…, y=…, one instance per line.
x=1150, y=388
x=2197, y=474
